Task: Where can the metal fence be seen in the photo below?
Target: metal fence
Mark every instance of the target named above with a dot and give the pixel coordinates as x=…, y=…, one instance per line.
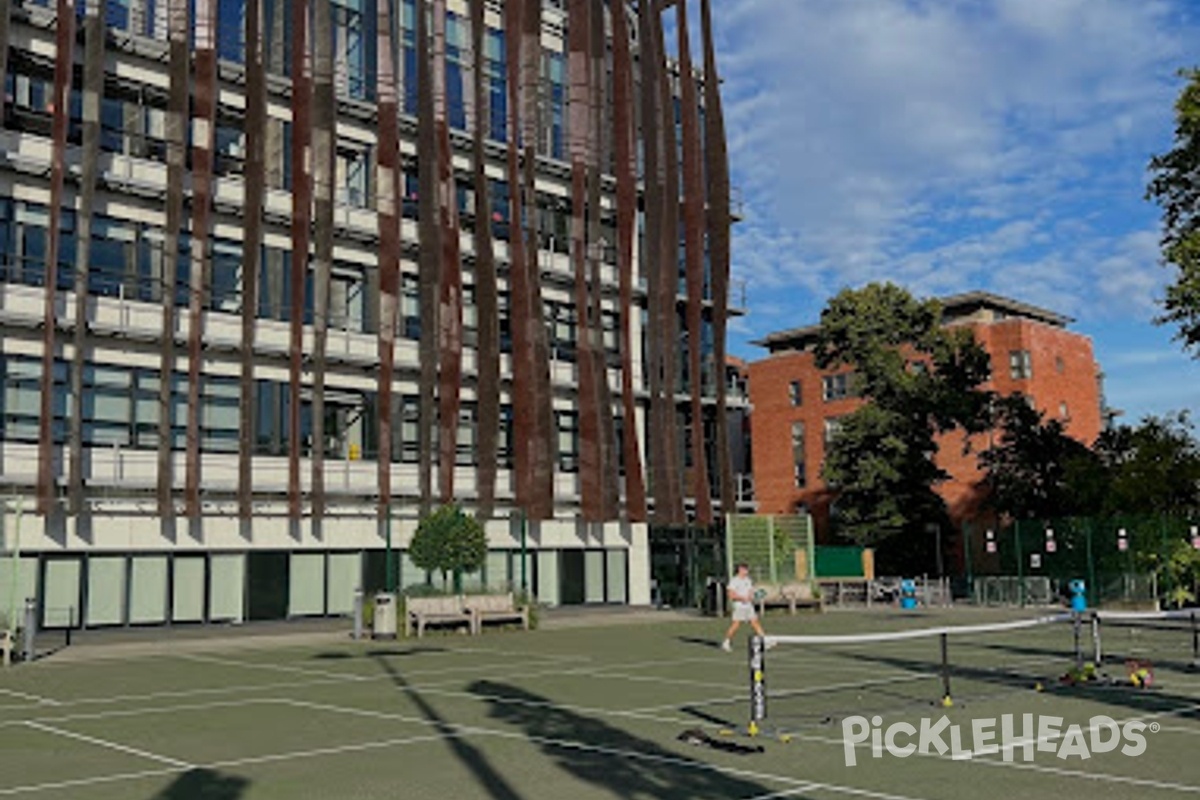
x=1122, y=559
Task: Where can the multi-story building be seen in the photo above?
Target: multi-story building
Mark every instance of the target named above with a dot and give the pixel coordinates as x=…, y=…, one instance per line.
x=276, y=277
x=796, y=405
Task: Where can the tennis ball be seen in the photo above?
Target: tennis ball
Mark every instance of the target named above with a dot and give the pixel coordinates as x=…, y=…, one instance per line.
x=785, y=738
x=1037, y=687
x=753, y=729
x=947, y=702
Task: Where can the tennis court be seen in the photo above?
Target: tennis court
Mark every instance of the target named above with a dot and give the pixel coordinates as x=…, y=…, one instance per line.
x=578, y=713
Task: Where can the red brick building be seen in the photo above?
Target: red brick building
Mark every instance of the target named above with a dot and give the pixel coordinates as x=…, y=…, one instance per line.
x=796, y=405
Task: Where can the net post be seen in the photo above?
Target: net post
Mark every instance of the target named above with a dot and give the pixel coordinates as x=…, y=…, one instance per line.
x=758, y=684
x=1077, y=626
x=945, y=643
x=1097, y=645
x=1195, y=643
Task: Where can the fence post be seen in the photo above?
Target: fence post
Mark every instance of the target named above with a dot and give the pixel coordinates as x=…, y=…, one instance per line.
x=771, y=548
x=1092, y=589
x=28, y=647
x=1020, y=564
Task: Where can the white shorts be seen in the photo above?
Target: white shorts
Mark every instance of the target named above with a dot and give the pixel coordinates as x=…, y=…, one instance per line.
x=744, y=612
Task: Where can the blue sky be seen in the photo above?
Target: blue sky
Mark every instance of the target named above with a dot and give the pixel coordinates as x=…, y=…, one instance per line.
x=950, y=145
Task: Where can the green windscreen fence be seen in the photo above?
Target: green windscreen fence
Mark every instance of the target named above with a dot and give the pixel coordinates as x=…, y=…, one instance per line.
x=839, y=562
x=770, y=544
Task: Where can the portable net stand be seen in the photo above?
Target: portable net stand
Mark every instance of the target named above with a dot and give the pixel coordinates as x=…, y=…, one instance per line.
x=1172, y=636
x=837, y=676
x=818, y=680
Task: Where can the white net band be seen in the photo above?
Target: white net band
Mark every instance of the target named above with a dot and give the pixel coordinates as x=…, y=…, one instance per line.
x=918, y=633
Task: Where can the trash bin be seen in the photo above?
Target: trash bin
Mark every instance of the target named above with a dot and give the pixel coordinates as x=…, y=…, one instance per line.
x=714, y=597
x=384, y=625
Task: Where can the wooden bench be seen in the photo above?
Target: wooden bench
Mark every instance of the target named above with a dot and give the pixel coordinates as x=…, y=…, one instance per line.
x=422, y=611
x=791, y=596
x=496, y=608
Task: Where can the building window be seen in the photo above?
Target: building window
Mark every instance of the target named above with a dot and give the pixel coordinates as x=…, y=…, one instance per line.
x=466, y=445
x=833, y=429
x=798, y=454
x=1064, y=411
x=795, y=394
x=837, y=387
x=567, y=423
x=1060, y=366
x=1020, y=365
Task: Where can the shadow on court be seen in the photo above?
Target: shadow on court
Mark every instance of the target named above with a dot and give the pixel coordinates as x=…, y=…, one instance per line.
x=609, y=758
x=470, y=755
x=204, y=784
x=342, y=655
x=711, y=644
x=998, y=682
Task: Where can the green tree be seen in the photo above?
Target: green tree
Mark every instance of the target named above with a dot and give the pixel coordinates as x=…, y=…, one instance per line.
x=920, y=379
x=449, y=542
x=1183, y=574
x=1153, y=468
x=1175, y=186
x=1035, y=470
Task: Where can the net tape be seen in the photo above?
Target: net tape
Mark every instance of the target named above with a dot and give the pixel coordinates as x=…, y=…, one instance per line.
x=994, y=627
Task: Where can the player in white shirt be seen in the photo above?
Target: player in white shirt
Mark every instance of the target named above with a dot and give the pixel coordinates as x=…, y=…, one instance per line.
x=741, y=594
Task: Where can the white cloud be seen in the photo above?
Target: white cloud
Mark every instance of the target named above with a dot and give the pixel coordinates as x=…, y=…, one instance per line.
x=955, y=144
x=941, y=142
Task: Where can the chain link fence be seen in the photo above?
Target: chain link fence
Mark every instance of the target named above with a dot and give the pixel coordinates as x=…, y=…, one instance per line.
x=1124, y=560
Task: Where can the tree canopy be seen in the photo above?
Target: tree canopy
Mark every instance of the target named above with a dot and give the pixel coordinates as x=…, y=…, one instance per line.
x=449, y=542
x=1035, y=470
x=920, y=379
x=1175, y=186
x=1153, y=468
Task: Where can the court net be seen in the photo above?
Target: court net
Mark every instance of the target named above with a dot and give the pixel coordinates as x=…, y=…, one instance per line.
x=799, y=682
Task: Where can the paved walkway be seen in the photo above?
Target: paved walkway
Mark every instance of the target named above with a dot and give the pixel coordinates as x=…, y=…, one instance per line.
x=116, y=643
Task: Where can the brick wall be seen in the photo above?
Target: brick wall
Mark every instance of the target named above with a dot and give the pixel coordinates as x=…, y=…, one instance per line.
x=1063, y=383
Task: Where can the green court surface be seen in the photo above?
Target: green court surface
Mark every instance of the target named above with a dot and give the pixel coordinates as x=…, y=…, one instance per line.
x=586, y=712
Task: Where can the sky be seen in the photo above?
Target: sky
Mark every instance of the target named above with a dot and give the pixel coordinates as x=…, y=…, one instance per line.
x=952, y=145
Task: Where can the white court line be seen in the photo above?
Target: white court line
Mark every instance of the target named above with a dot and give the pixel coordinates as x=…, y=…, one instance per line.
x=133, y=751
x=566, y=744
x=329, y=751
x=229, y=662
x=78, y=782
x=276, y=757
x=138, y=712
x=1059, y=771
x=37, y=698
x=1177, y=729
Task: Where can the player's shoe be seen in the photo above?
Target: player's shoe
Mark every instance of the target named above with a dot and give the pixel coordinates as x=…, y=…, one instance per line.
x=726, y=646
